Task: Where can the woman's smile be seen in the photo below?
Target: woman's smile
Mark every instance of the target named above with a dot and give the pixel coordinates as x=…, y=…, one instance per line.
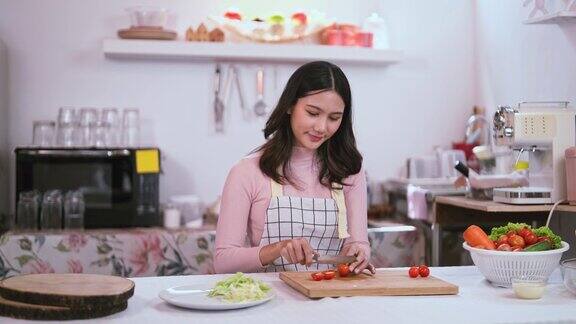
x=314, y=138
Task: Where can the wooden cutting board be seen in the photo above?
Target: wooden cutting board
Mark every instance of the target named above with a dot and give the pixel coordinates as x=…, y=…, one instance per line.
x=72, y=290
x=20, y=310
x=383, y=283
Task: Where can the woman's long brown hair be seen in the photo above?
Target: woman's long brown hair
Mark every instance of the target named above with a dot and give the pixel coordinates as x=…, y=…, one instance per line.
x=338, y=156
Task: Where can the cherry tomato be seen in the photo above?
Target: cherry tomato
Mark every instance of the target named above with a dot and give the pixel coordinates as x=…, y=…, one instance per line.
x=317, y=276
x=423, y=271
x=525, y=232
x=510, y=233
x=330, y=274
x=516, y=241
x=413, y=272
x=504, y=247
x=530, y=239
x=343, y=270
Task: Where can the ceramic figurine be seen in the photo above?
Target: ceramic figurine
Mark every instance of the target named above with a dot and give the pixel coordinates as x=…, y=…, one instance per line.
x=202, y=34
x=216, y=35
x=190, y=35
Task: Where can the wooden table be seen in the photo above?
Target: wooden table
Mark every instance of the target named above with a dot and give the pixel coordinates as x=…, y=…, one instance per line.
x=461, y=211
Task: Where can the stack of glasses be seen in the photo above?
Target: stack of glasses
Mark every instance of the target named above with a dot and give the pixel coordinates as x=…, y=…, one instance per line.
x=89, y=127
x=47, y=211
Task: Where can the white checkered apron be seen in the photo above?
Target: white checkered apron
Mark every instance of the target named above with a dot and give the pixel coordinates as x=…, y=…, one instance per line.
x=320, y=220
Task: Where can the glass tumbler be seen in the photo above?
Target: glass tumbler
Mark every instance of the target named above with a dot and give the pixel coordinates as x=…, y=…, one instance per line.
x=67, y=121
x=98, y=133
x=43, y=133
x=74, y=207
x=111, y=116
x=131, y=127
x=27, y=210
x=51, y=214
x=87, y=116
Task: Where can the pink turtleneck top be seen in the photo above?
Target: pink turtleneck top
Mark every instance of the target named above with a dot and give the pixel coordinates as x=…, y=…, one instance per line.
x=246, y=197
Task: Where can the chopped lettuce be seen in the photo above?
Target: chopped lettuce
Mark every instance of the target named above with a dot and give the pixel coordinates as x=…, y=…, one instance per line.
x=541, y=231
x=546, y=231
x=240, y=288
x=502, y=230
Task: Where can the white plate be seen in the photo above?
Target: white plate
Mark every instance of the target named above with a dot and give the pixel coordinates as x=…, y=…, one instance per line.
x=196, y=297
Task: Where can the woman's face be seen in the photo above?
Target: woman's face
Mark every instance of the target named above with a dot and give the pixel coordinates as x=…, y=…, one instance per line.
x=316, y=117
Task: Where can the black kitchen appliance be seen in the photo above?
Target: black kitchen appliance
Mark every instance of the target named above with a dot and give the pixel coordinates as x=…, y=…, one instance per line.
x=120, y=185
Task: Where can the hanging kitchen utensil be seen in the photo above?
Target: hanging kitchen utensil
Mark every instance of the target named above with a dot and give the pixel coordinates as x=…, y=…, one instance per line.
x=260, y=106
x=246, y=113
x=227, y=86
x=218, y=104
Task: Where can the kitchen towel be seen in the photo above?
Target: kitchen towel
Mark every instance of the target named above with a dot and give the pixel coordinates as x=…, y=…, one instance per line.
x=416, y=198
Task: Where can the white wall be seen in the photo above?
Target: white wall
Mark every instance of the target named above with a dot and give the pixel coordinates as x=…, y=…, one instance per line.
x=519, y=62
x=403, y=110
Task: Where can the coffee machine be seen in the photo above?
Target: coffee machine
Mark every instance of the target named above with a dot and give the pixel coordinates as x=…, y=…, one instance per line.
x=543, y=130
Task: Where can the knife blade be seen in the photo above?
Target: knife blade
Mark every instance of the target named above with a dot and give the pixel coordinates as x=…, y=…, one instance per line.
x=333, y=259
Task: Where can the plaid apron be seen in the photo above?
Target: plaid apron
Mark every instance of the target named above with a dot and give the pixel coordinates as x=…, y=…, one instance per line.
x=320, y=220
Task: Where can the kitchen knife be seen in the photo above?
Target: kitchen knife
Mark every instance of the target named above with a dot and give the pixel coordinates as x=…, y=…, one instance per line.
x=333, y=259
x=462, y=168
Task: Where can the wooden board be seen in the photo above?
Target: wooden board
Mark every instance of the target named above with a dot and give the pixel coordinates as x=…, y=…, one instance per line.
x=40, y=312
x=73, y=290
x=147, y=33
x=383, y=283
x=493, y=206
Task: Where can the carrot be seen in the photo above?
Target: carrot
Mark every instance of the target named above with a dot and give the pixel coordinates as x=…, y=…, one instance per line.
x=476, y=237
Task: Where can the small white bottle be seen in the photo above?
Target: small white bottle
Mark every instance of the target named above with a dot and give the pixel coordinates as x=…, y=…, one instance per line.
x=171, y=217
x=377, y=26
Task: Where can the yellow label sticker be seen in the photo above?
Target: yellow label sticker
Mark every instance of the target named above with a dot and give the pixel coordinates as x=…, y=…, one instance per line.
x=147, y=161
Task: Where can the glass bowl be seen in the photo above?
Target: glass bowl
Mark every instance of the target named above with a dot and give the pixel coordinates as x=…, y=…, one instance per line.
x=529, y=287
x=569, y=274
x=148, y=16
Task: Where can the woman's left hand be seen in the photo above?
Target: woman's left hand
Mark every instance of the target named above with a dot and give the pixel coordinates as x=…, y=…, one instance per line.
x=362, y=261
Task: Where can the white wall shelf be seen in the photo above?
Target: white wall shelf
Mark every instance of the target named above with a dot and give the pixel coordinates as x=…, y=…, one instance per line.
x=249, y=52
x=554, y=18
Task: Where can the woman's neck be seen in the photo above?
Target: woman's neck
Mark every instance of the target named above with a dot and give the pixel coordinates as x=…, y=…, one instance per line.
x=302, y=154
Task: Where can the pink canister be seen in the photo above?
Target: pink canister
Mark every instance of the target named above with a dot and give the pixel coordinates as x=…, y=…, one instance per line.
x=570, y=155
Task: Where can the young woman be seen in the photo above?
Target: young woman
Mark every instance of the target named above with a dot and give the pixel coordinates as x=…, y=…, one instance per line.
x=304, y=191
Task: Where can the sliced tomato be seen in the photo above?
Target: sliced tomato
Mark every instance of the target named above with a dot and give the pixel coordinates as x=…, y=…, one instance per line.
x=330, y=274
x=530, y=239
x=343, y=270
x=317, y=276
x=503, y=239
x=544, y=238
x=504, y=247
x=525, y=232
x=516, y=241
x=423, y=271
x=413, y=272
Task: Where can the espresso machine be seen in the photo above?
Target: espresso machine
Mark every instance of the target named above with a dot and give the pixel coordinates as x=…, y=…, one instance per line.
x=543, y=130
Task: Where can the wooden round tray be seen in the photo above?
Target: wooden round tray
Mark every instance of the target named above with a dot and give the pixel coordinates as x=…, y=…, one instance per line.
x=68, y=290
x=147, y=33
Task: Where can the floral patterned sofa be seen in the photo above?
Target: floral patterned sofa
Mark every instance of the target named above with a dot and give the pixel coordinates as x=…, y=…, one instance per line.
x=158, y=252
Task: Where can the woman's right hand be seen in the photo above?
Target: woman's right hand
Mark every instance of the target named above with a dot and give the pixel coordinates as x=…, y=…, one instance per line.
x=297, y=250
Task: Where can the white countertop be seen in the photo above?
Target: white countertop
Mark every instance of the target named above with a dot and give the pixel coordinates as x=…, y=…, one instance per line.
x=477, y=302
